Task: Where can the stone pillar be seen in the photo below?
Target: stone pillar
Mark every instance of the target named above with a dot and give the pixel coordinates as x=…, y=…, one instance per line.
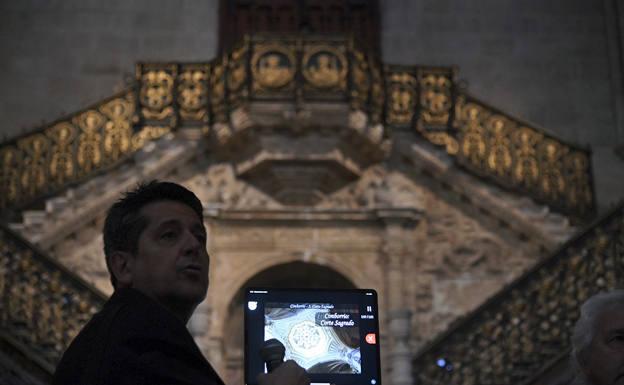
x=400, y=355
x=399, y=316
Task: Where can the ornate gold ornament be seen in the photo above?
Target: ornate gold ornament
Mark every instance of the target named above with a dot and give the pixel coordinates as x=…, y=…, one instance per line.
x=472, y=135
x=526, y=169
x=443, y=139
x=12, y=166
x=402, y=98
x=579, y=193
x=62, y=163
x=118, y=129
x=552, y=182
x=325, y=66
x=34, y=176
x=193, y=92
x=147, y=134
x=156, y=92
x=499, y=157
x=44, y=308
x=272, y=66
x=89, y=154
x=435, y=98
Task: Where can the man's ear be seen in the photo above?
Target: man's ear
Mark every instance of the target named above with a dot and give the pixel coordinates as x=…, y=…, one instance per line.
x=122, y=266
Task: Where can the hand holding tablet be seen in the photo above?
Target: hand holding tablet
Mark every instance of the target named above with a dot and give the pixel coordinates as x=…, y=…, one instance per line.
x=288, y=373
x=333, y=334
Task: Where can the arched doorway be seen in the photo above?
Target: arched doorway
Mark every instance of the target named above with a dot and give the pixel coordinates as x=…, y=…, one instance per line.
x=287, y=275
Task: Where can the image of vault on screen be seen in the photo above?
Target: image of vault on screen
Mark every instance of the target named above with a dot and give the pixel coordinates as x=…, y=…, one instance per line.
x=321, y=338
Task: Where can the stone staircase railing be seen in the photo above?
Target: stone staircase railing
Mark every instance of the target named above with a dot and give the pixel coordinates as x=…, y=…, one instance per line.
x=70, y=150
x=525, y=329
x=42, y=304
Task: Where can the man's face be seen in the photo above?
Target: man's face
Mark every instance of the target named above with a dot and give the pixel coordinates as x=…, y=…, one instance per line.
x=603, y=361
x=171, y=262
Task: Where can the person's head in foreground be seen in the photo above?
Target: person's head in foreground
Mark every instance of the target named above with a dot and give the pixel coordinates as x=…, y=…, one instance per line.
x=155, y=242
x=598, y=340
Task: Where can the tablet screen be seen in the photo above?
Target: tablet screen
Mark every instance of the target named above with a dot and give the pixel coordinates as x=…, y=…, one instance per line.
x=333, y=334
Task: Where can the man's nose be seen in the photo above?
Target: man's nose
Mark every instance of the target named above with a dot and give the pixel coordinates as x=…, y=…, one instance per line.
x=192, y=244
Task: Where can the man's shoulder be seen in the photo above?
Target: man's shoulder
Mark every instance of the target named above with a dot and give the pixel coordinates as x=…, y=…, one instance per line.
x=127, y=315
x=131, y=335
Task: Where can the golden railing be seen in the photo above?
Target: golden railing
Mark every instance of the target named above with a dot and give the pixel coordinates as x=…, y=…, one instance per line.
x=427, y=100
x=488, y=142
x=527, y=326
x=42, y=305
x=260, y=69
x=70, y=150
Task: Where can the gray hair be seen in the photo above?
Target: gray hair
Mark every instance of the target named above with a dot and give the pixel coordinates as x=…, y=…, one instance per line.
x=585, y=328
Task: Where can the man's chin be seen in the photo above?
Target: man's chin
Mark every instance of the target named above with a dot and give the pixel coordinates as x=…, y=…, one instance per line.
x=196, y=293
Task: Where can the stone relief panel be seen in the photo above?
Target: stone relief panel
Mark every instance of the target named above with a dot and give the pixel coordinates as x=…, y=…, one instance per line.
x=218, y=187
x=377, y=188
x=460, y=265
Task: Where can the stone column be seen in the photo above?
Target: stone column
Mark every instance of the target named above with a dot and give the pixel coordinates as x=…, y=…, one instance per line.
x=399, y=315
x=400, y=354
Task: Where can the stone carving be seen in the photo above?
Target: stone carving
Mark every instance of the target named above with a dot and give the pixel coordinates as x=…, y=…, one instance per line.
x=218, y=187
x=460, y=266
x=378, y=188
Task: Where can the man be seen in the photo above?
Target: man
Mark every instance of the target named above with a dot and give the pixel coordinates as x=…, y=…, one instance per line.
x=598, y=340
x=155, y=247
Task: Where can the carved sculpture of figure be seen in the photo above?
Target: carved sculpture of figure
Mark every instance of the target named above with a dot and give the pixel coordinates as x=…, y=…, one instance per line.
x=272, y=73
x=326, y=72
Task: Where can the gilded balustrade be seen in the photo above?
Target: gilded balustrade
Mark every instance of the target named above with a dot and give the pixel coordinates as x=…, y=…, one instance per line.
x=42, y=306
x=426, y=100
x=259, y=69
x=71, y=150
x=488, y=142
x=527, y=326
x=522, y=158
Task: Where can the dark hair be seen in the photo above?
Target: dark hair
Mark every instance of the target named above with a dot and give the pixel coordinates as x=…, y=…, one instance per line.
x=124, y=223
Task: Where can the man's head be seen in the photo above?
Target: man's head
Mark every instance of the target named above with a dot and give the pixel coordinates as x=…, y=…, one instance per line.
x=155, y=242
x=598, y=340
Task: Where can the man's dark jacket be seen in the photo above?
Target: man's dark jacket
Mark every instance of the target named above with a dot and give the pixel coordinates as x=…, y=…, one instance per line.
x=134, y=340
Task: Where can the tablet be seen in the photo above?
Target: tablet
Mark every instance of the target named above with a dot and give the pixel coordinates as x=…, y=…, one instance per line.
x=333, y=334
